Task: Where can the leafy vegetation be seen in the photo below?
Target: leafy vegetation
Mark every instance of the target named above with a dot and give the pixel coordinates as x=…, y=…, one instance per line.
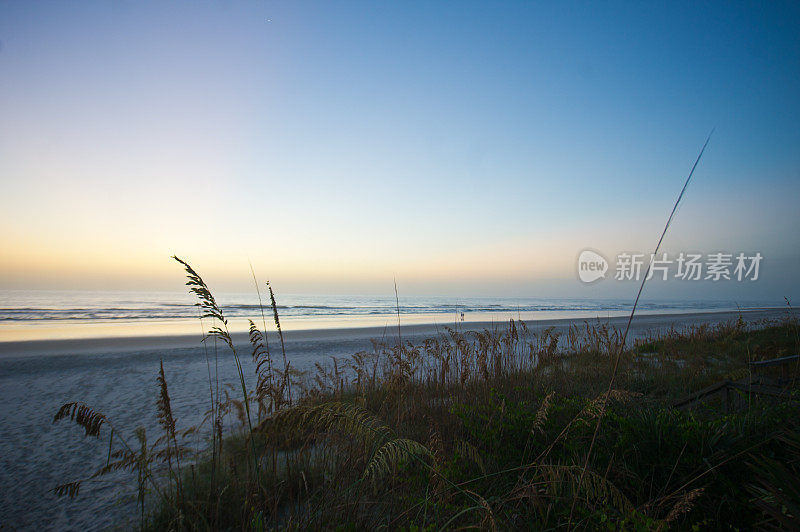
x=496, y=429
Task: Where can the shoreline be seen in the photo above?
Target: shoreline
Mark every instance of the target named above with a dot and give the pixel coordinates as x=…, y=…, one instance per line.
x=643, y=322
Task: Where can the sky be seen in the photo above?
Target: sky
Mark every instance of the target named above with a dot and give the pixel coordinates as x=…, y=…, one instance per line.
x=462, y=148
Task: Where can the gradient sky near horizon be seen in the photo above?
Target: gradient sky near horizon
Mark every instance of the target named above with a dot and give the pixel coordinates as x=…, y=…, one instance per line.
x=464, y=148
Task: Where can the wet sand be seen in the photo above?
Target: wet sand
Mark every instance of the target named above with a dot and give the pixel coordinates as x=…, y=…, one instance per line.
x=121, y=344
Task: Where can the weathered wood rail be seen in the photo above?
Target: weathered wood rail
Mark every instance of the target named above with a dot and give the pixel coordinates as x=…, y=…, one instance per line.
x=753, y=384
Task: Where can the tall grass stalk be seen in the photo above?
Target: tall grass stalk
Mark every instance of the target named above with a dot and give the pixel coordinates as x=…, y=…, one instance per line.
x=633, y=312
x=209, y=305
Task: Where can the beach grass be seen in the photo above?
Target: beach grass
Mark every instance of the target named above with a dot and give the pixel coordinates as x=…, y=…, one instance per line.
x=488, y=430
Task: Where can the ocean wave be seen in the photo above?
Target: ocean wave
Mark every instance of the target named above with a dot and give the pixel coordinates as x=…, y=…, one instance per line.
x=171, y=311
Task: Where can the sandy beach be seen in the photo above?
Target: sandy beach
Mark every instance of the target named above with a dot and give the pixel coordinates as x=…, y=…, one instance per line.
x=117, y=376
x=644, y=321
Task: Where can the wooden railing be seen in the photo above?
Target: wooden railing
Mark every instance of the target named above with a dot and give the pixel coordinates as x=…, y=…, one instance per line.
x=753, y=384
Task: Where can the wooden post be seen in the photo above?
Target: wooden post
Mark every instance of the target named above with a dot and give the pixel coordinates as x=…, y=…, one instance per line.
x=728, y=400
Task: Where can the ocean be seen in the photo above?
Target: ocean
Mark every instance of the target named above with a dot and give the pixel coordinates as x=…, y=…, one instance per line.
x=36, y=315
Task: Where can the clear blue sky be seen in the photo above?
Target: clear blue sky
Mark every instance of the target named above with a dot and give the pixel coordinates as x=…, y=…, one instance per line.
x=339, y=144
